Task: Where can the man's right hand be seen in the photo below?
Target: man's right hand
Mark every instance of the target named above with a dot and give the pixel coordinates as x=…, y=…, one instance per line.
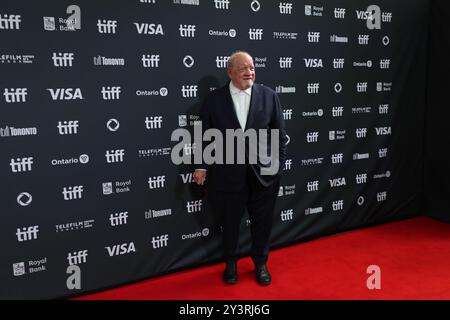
x=199, y=177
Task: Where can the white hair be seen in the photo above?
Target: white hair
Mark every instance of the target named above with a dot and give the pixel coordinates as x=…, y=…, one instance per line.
x=233, y=56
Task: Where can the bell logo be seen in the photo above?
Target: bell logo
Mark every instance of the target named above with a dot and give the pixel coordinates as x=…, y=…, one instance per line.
x=374, y=280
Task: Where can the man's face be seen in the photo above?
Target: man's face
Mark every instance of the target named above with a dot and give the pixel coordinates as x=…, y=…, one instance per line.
x=242, y=73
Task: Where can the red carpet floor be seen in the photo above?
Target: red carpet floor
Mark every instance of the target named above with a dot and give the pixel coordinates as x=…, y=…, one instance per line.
x=413, y=255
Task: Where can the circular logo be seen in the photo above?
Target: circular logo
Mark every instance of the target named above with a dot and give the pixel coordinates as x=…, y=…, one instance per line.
x=113, y=125
x=24, y=199
x=205, y=232
x=84, y=158
x=388, y=174
x=232, y=33
x=163, y=92
x=320, y=112
x=188, y=61
x=386, y=40
x=338, y=87
x=360, y=200
x=255, y=5
x=369, y=63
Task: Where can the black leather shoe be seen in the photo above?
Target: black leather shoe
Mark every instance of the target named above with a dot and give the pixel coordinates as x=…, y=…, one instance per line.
x=262, y=275
x=230, y=274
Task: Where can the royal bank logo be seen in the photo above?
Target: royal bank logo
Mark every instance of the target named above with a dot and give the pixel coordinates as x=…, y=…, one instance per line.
x=336, y=135
x=10, y=21
x=384, y=86
x=16, y=58
x=116, y=187
x=260, y=62
x=286, y=190
x=34, y=266
x=313, y=11
x=191, y=120
x=71, y=23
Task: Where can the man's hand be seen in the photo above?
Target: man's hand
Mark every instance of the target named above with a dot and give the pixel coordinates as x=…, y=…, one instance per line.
x=199, y=177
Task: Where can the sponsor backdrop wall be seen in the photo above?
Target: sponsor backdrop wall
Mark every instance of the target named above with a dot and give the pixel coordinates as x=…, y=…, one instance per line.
x=92, y=90
x=437, y=178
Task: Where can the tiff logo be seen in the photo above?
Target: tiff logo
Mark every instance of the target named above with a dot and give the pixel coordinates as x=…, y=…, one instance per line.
x=189, y=91
x=222, y=4
x=338, y=205
x=313, y=88
x=385, y=63
x=287, y=164
x=10, y=21
x=77, y=257
x=27, y=233
x=287, y=114
x=337, y=111
x=189, y=148
x=106, y=26
x=285, y=62
x=255, y=34
x=67, y=127
x=110, y=93
x=337, y=158
x=72, y=193
x=383, y=108
x=361, y=132
x=114, y=156
x=160, y=241
x=187, y=30
x=339, y=13
x=153, y=122
x=287, y=215
x=194, y=206
x=62, y=59
x=285, y=7
x=313, y=36
x=14, y=95
x=150, y=60
x=386, y=17
x=117, y=219
x=21, y=164
x=221, y=61
x=361, y=178
x=363, y=39
x=338, y=63
x=156, y=182
x=312, y=186
x=361, y=87
x=382, y=153
x=312, y=137
x=381, y=196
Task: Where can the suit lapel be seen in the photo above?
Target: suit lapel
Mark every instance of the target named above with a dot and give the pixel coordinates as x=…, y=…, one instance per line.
x=254, y=102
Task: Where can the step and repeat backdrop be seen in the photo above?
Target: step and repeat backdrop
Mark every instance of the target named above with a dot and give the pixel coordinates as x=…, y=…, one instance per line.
x=91, y=92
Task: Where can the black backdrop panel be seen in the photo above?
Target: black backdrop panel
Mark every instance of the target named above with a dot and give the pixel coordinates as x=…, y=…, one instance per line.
x=86, y=117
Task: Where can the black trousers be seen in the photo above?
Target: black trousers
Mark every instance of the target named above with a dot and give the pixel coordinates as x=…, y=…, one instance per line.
x=260, y=203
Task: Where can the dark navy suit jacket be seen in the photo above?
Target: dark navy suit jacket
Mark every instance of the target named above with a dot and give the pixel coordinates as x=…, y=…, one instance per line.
x=265, y=113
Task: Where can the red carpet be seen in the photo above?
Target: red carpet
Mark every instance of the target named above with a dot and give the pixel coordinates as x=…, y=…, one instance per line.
x=414, y=257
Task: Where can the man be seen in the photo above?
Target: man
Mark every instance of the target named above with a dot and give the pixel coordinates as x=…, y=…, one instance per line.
x=233, y=187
